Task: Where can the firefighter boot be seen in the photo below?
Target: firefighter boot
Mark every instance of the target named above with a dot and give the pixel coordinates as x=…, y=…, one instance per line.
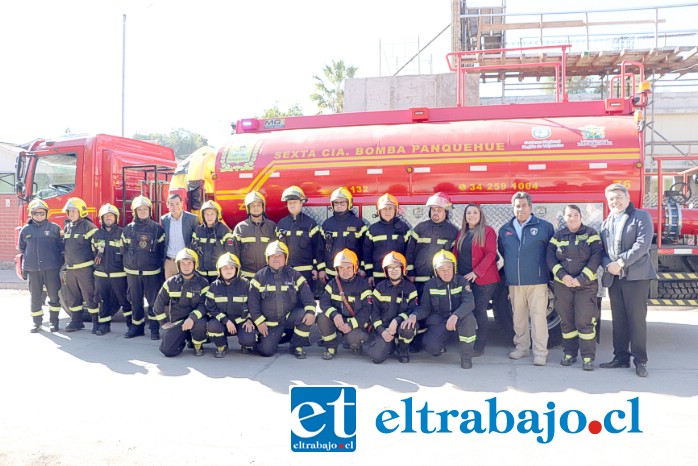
x=75, y=322
x=53, y=323
x=95, y=324
x=329, y=354
x=198, y=349
x=155, y=333
x=37, y=324
x=298, y=352
x=221, y=351
x=103, y=329
x=403, y=355
x=129, y=323
x=466, y=363
x=135, y=331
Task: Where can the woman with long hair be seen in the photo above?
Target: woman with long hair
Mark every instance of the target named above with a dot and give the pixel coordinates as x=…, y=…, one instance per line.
x=476, y=249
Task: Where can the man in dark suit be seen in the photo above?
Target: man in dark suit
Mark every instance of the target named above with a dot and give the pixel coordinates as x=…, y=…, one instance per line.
x=627, y=236
x=179, y=226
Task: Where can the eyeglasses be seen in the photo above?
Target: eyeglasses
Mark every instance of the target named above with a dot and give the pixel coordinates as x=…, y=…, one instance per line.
x=340, y=203
x=39, y=213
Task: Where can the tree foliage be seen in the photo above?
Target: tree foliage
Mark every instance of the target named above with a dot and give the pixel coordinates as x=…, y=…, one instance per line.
x=329, y=90
x=182, y=141
x=276, y=112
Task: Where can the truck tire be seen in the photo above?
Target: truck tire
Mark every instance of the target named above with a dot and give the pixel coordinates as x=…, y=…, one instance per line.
x=678, y=289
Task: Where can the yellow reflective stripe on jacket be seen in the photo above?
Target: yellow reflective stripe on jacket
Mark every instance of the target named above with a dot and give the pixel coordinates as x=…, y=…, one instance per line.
x=81, y=265
x=467, y=339
x=593, y=238
x=109, y=275
x=556, y=269
x=559, y=243
x=91, y=233
x=377, y=323
x=142, y=272
x=303, y=268
x=589, y=273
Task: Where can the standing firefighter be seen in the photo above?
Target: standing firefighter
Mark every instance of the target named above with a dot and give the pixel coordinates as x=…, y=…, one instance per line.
x=226, y=303
x=252, y=235
x=446, y=306
x=180, y=307
x=342, y=230
x=79, y=261
x=389, y=233
x=110, y=278
x=300, y=233
x=143, y=248
x=345, y=306
x=211, y=239
x=41, y=246
x=393, y=300
x=281, y=304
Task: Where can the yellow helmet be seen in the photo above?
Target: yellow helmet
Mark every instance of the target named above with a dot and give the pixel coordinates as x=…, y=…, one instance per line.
x=253, y=196
x=342, y=193
x=76, y=203
x=346, y=255
x=293, y=193
x=108, y=209
x=37, y=204
x=276, y=247
x=187, y=253
x=386, y=200
x=141, y=201
x=228, y=258
x=442, y=257
x=215, y=206
x=394, y=258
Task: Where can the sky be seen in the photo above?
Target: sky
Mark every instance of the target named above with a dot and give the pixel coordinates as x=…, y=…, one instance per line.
x=203, y=64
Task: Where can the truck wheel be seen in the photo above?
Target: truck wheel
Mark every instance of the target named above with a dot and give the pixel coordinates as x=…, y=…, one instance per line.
x=678, y=289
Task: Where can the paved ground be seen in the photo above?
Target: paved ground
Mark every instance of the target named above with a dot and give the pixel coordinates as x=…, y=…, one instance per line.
x=82, y=399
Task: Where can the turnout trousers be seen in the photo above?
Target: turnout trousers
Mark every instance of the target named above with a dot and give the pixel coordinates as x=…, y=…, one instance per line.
x=80, y=289
x=139, y=287
x=436, y=335
x=291, y=328
x=174, y=339
x=218, y=333
x=578, y=309
x=37, y=281
x=328, y=330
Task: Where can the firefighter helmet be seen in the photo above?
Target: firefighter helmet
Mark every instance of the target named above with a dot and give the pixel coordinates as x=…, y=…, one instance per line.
x=276, y=247
x=387, y=200
x=76, y=203
x=228, y=258
x=215, y=206
x=293, y=193
x=440, y=200
x=108, y=209
x=37, y=204
x=394, y=258
x=442, y=257
x=342, y=193
x=253, y=196
x=141, y=201
x=187, y=253
x=346, y=255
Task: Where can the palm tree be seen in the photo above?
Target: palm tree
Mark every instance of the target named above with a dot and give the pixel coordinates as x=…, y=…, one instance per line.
x=329, y=92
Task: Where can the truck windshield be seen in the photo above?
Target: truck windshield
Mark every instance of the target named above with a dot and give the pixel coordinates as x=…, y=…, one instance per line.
x=54, y=175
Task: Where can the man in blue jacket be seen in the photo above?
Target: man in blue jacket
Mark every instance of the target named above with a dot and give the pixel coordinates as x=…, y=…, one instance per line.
x=179, y=226
x=523, y=243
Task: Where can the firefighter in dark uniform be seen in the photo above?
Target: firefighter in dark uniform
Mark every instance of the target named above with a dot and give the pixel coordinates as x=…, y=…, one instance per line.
x=345, y=306
x=252, y=235
x=428, y=238
x=393, y=300
x=281, y=305
x=143, y=248
x=180, y=307
x=41, y=245
x=446, y=305
x=300, y=233
x=211, y=239
x=110, y=278
x=226, y=305
x=342, y=230
x=389, y=233
x=79, y=262
x=574, y=254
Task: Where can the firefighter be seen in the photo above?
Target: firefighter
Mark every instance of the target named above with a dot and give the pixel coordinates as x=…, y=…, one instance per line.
x=143, y=249
x=252, y=235
x=446, y=305
x=110, y=278
x=428, y=238
x=574, y=254
x=393, y=300
x=41, y=245
x=281, y=304
x=389, y=233
x=211, y=239
x=345, y=306
x=342, y=230
x=226, y=305
x=300, y=233
x=79, y=262
x=180, y=307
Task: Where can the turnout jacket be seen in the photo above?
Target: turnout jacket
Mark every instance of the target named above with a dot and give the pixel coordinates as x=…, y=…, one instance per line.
x=525, y=260
x=274, y=293
x=179, y=298
x=228, y=301
x=359, y=296
x=41, y=243
x=444, y=299
x=577, y=254
x=341, y=230
x=250, y=240
x=392, y=302
x=301, y=235
x=107, y=246
x=426, y=240
x=381, y=238
x=78, y=244
x=143, y=247
x=210, y=243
